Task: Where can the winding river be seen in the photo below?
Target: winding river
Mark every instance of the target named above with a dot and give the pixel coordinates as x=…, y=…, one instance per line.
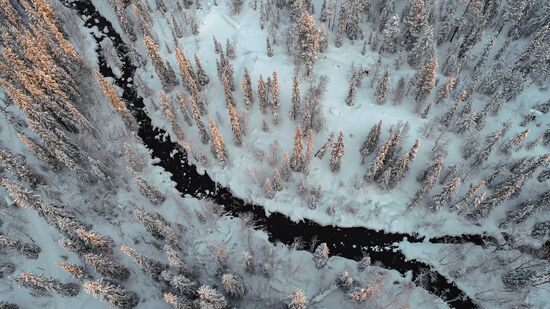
x=345, y=242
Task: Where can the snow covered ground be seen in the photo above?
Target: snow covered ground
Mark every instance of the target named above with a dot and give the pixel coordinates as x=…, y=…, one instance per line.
x=206, y=236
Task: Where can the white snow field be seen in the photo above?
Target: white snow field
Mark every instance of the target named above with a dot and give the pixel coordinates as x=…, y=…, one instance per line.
x=63, y=177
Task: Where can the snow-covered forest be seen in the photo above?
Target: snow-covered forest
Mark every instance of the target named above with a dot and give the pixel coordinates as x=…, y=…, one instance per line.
x=293, y=154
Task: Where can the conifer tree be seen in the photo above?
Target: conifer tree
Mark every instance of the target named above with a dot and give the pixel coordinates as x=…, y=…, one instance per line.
x=526, y=209
x=211, y=299
x=309, y=148
x=415, y=21
x=399, y=91
x=424, y=49
x=286, y=170
x=323, y=18
x=149, y=265
x=111, y=293
x=275, y=100
x=320, y=257
x=428, y=179
x=198, y=121
x=502, y=194
x=76, y=271
x=354, y=82
x=269, y=49
x=202, y=78
x=399, y=171
x=217, y=146
x=43, y=286
x=353, y=30
x=344, y=280
x=341, y=28
x=382, y=88
x=237, y=6
x=446, y=89
x=247, y=89
x=112, y=96
x=307, y=41
x=321, y=152
x=230, y=49
x=262, y=95
x=30, y=251
x=443, y=198
x=448, y=23
x=466, y=201
x=106, y=266
x=448, y=116
x=177, y=302
x=296, y=300
x=233, y=285
x=369, y=145
x=297, y=159
x=514, y=141
x=247, y=259
x=180, y=283
x=184, y=108
x=235, y=125
x=295, y=107
x=425, y=80
x=175, y=261
x=164, y=71
x=483, y=154
x=268, y=188
x=95, y=241
x=337, y=153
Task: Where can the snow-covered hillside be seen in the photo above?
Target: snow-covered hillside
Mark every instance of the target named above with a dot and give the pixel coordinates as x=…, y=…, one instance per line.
x=422, y=117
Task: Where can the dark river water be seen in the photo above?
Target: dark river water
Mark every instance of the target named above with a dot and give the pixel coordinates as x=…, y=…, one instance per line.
x=345, y=242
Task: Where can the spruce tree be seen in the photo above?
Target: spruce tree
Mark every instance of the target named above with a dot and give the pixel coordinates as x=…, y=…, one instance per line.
x=269, y=49
x=275, y=100
x=321, y=152
x=415, y=21
x=425, y=80
x=113, y=294
x=370, y=143
x=297, y=159
x=382, y=88
x=106, y=266
x=391, y=35
x=233, y=286
x=295, y=107
x=307, y=42
x=297, y=300
x=149, y=265
x=43, y=286
x=262, y=95
x=424, y=49
x=320, y=256
x=502, y=194
x=443, y=198
x=247, y=89
x=202, y=78
x=217, y=146
x=337, y=153
x=354, y=82
x=428, y=179
x=235, y=125
x=209, y=298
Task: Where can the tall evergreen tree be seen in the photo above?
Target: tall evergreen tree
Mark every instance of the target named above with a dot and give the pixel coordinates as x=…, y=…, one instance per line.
x=337, y=153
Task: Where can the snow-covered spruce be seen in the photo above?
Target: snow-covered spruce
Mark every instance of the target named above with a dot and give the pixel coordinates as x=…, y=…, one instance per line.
x=111, y=293
x=43, y=286
x=233, y=285
x=296, y=300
